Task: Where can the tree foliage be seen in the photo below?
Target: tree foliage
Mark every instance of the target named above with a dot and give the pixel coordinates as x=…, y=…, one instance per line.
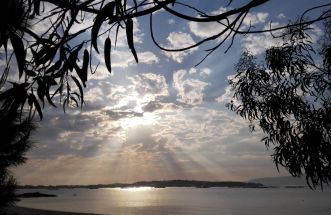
x=15, y=131
x=289, y=97
x=7, y=190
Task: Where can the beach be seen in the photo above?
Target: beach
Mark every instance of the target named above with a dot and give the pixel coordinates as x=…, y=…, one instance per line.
x=30, y=211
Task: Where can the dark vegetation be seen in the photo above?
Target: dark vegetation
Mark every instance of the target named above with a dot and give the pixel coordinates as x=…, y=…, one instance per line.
x=15, y=132
x=34, y=195
x=289, y=97
x=53, y=68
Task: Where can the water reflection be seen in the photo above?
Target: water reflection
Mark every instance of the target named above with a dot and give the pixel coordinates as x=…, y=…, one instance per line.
x=133, y=196
x=135, y=189
x=185, y=201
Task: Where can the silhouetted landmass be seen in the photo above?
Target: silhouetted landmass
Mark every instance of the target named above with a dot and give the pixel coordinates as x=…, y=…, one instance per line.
x=34, y=195
x=295, y=187
x=157, y=184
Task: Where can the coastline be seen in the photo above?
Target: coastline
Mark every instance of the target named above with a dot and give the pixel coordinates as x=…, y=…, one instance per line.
x=30, y=211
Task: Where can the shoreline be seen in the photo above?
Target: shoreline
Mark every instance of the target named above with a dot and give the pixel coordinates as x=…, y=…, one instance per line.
x=31, y=211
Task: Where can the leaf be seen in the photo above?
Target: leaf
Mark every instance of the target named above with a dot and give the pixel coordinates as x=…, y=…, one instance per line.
x=116, y=34
x=106, y=11
x=46, y=54
x=107, y=52
x=30, y=73
x=64, y=104
x=135, y=5
x=86, y=60
x=48, y=97
x=36, y=7
x=33, y=100
x=3, y=41
x=41, y=91
x=70, y=63
x=129, y=37
x=229, y=3
x=54, y=67
x=18, y=47
x=83, y=72
x=119, y=7
x=80, y=89
x=75, y=100
x=94, y=33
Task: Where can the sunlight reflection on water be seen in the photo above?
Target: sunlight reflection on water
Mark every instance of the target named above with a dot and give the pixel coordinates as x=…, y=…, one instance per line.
x=188, y=201
x=135, y=189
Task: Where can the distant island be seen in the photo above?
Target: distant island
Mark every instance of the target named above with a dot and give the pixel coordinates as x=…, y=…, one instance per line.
x=155, y=184
x=282, y=181
x=34, y=195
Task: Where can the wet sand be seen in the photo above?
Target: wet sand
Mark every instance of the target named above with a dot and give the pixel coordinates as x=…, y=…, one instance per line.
x=30, y=211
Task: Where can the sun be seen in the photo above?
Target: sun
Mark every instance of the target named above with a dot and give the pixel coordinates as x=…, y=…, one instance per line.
x=145, y=119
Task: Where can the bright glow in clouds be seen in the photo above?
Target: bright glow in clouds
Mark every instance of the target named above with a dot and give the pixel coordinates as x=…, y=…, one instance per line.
x=146, y=119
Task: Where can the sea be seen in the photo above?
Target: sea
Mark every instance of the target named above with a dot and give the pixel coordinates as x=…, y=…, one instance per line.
x=220, y=201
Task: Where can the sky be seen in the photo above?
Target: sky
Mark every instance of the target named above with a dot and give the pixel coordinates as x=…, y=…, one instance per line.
x=163, y=118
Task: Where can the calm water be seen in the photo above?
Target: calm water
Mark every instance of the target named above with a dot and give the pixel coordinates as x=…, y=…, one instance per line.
x=221, y=201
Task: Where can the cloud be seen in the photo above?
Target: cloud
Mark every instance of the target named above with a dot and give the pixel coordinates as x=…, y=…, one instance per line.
x=205, y=30
x=116, y=115
x=193, y=142
x=80, y=134
x=161, y=107
x=124, y=58
x=226, y=97
x=258, y=43
x=281, y=16
x=255, y=18
x=315, y=33
x=190, y=90
x=171, y=21
x=94, y=94
x=152, y=106
x=149, y=85
x=137, y=93
x=101, y=93
x=142, y=139
x=177, y=40
x=121, y=40
x=205, y=72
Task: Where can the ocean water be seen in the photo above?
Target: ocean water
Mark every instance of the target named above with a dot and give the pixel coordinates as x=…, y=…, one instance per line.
x=220, y=201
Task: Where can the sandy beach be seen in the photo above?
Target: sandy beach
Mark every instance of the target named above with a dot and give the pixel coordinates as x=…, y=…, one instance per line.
x=30, y=211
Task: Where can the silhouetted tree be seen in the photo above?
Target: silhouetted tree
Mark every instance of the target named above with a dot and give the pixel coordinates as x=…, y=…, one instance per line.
x=7, y=190
x=15, y=127
x=289, y=98
x=15, y=142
